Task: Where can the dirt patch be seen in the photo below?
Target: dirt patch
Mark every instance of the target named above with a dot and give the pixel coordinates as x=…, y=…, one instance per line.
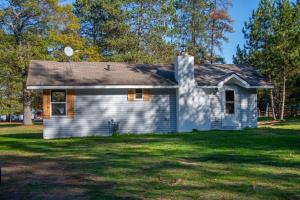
x=269, y=123
x=27, y=179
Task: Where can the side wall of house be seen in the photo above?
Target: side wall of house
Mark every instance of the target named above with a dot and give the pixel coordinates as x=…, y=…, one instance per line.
x=245, y=108
x=95, y=108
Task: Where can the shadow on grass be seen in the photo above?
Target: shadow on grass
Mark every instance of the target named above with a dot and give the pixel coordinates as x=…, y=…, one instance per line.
x=224, y=158
x=3, y=125
x=139, y=167
x=23, y=136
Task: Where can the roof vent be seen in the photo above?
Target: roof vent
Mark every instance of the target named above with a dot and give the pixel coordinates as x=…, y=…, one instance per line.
x=203, y=62
x=108, y=67
x=154, y=71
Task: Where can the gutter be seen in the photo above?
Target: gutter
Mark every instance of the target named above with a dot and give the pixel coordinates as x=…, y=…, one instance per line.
x=36, y=87
x=248, y=87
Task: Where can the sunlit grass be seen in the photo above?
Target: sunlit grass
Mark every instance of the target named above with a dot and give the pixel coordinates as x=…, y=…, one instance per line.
x=261, y=163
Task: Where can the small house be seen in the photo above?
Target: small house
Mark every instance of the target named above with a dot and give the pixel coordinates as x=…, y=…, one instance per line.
x=102, y=98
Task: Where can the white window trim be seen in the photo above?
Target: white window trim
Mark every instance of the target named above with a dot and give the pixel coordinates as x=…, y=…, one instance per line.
x=244, y=83
x=58, y=103
x=234, y=102
x=135, y=94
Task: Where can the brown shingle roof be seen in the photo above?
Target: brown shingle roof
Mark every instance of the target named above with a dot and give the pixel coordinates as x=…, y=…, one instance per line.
x=50, y=73
x=212, y=74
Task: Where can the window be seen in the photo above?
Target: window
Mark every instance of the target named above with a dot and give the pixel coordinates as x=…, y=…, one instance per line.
x=58, y=102
x=139, y=94
x=229, y=101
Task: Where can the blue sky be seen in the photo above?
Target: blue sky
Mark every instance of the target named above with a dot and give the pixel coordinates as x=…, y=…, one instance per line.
x=240, y=12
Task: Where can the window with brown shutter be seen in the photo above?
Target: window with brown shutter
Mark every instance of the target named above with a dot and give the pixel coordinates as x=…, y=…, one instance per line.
x=130, y=95
x=46, y=104
x=138, y=94
x=58, y=103
x=146, y=95
x=70, y=103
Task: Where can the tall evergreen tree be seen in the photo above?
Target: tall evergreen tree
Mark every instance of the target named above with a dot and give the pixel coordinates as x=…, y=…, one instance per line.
x=272, y=45
x=102, y=22
x=190, y=27
x=285, y=44
x=240, y=57
x=149, y=21
x=218, y=24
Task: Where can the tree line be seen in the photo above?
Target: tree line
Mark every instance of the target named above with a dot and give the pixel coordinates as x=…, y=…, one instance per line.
x=151, y=30
x=140, y=31
x=272, y=36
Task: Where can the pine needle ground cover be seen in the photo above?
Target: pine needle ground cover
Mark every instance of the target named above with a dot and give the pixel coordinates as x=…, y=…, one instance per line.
x=261, y=163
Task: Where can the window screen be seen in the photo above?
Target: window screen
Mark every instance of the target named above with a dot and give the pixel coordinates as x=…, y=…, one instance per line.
x=58, y=102
x=229, y=101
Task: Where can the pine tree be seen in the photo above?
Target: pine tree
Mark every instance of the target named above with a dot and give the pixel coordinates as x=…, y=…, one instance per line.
x=272, y=45
x=190, y=27
x=102, y=22
x=240, y=57
x=218, y=23
x=285, y=44
x=149, y=21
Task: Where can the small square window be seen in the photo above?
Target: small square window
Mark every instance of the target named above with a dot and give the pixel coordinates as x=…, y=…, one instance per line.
x=138, y=93
x=58, y=96
x=58, y=109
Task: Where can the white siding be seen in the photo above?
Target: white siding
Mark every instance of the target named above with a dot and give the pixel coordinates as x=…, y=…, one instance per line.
x=245, y=108
x=94, y=108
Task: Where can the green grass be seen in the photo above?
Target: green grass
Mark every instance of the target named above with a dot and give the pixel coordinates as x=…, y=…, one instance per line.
x=261, y=163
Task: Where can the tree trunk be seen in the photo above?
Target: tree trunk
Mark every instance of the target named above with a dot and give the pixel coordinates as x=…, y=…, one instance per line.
x=194, y=31
x=272, y=105
x=26, y=106
x=213, y=34
x=140, y=29
x=212, y=42
x=283, y=98
x=193, y=35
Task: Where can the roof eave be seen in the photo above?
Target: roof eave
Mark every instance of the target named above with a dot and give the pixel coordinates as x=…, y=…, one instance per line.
x=248, y=87
x=38, y=87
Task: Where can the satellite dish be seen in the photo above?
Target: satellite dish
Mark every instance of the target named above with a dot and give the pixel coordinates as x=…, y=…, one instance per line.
x=68, y=51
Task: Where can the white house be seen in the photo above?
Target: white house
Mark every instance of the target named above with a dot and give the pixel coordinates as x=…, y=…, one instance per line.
x=99, y=98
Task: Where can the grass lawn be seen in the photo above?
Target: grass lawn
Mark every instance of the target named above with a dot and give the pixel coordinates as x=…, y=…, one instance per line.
x=261, y=163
